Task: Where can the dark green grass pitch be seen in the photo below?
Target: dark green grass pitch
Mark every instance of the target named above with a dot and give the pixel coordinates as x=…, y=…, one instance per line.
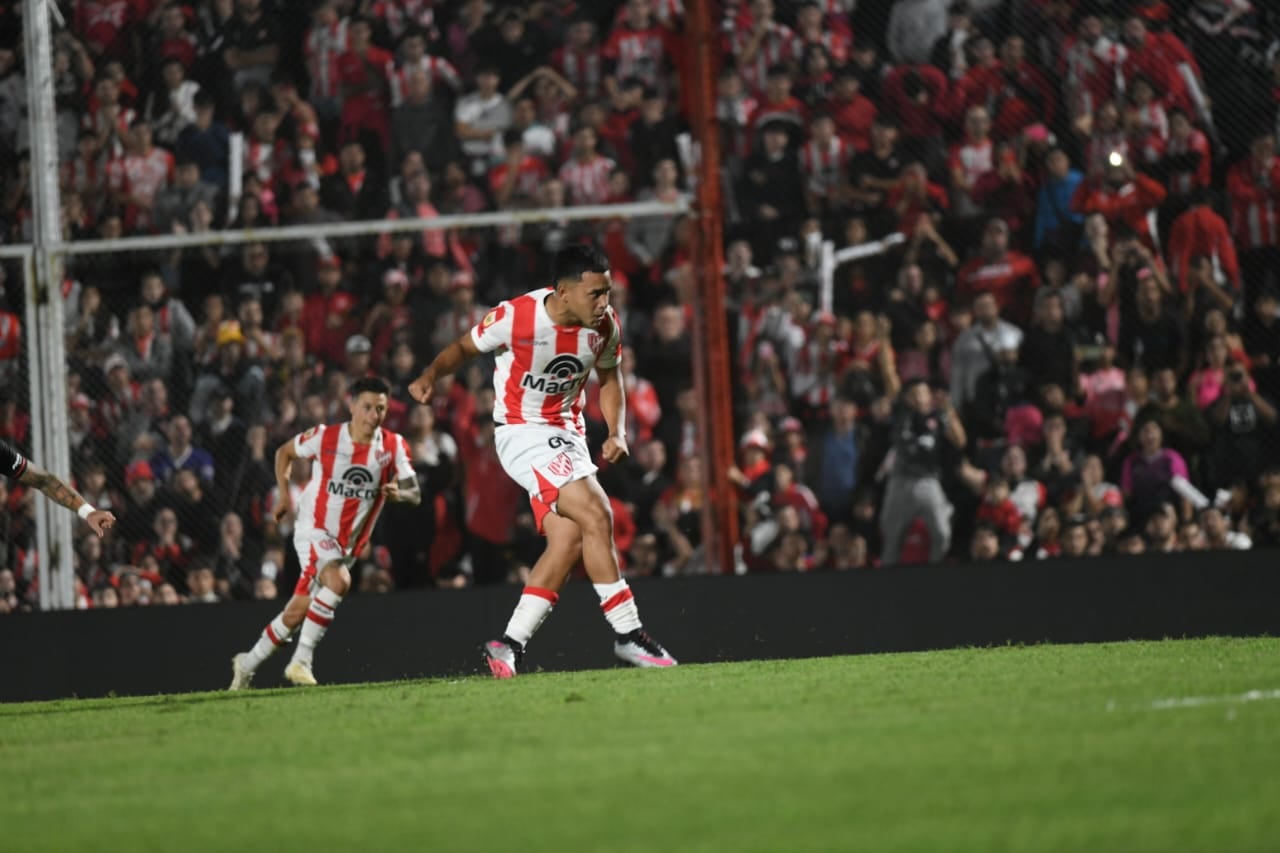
x=1171, y=746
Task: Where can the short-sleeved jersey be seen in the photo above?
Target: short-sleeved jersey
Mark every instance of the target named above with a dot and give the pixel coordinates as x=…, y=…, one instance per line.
x=541, y=369
x=344, y=495
x=12, y=463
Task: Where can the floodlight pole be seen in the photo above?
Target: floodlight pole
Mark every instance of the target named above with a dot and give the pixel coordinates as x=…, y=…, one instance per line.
x=46, y=351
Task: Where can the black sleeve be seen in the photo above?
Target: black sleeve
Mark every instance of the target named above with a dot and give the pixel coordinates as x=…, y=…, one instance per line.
x=12, y=463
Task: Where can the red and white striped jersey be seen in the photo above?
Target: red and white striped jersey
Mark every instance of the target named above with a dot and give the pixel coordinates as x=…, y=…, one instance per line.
x=639, y=53
x=1255, y=203
x=812, y=372
x=824, y=165
x=779, y=46
x=541, y=369
x=583, y=68
x=438, y=70
x=587, y=183
x=1150, y=120
x=142, y=175
x=344, y=495
x=322, y=48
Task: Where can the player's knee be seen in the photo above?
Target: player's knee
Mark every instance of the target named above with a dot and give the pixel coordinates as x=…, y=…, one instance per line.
x=597, y=521
x=337, y=579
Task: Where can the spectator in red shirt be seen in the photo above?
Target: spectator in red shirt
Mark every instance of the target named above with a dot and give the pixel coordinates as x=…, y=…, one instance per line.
x=917, y=95
x=779, y=105
x=1253, y=185
x=326, y=316
x=362, y=75
x=983, y=83
x=997, y=509
x=854, y=114
x=637, y=47
x=1163, y=59
x=1201, y=231
x=514, y=182
x=103, y=25
x=1123, y=197
x=1025, y=95
x=1008, y=274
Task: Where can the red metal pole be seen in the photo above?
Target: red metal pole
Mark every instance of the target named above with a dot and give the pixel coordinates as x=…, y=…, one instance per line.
x=712, y=361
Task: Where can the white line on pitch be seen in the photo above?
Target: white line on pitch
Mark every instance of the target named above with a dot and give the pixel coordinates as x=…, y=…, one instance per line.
x=1198, y=701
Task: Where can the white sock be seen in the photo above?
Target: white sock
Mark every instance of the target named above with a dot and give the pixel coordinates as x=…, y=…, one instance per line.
x=275, y=636
x=319, y=617
x=531, y=611
x=619, y=606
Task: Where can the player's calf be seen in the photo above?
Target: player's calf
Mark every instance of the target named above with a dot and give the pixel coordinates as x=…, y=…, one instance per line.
x=335, y=581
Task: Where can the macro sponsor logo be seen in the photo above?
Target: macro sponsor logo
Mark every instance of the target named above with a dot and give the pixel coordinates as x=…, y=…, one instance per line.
x=356, y=482
x=562, y=374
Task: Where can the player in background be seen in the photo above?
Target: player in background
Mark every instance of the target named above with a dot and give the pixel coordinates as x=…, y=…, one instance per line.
x=17, y=467
x=356, y=467
x=546, y=344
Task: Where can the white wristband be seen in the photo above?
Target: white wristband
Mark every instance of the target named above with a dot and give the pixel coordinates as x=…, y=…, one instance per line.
x=85, y=509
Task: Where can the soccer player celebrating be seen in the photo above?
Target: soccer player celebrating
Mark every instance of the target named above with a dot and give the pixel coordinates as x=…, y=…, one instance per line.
x=17, y=467
x=547, y=342
x=356, y=467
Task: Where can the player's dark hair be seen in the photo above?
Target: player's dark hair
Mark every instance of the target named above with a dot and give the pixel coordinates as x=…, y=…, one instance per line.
x=573, y=261
x=369, y=385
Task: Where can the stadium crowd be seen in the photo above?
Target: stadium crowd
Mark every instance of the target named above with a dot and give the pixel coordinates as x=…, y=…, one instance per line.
x=1071, y=348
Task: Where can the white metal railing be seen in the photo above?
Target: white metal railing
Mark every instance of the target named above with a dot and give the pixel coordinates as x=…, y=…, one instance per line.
x=366, y=228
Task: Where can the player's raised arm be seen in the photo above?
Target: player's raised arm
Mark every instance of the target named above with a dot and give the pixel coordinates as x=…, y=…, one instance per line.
x=493, y=332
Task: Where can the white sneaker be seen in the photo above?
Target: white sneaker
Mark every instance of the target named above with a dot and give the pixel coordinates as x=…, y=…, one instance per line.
x=639, y=649
x=299, y=672
x=502, y=657
x=241, y=676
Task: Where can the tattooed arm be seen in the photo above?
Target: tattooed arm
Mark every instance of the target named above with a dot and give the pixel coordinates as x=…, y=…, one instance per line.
x=63, y=495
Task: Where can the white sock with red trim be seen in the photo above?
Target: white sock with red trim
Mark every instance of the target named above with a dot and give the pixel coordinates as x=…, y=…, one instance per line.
x=619, y=606
x=275, y=636
x=319, y=617
x=531, y=611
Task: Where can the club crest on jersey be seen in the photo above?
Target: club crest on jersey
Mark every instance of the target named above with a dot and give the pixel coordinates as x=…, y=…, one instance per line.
x=594, y=341
x=384, y=459
x=356, y=482
x=560, y=376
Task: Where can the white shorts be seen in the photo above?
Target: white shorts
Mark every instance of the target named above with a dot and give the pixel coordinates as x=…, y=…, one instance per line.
x=316, y=549
x=543, y=460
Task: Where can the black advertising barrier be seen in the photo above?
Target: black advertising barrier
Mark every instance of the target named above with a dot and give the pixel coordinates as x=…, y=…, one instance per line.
x=437, y=633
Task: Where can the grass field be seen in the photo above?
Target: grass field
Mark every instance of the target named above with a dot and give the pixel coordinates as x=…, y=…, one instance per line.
x=1045, y=748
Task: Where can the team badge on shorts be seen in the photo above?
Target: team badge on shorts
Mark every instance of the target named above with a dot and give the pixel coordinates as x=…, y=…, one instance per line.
x=561, y=466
